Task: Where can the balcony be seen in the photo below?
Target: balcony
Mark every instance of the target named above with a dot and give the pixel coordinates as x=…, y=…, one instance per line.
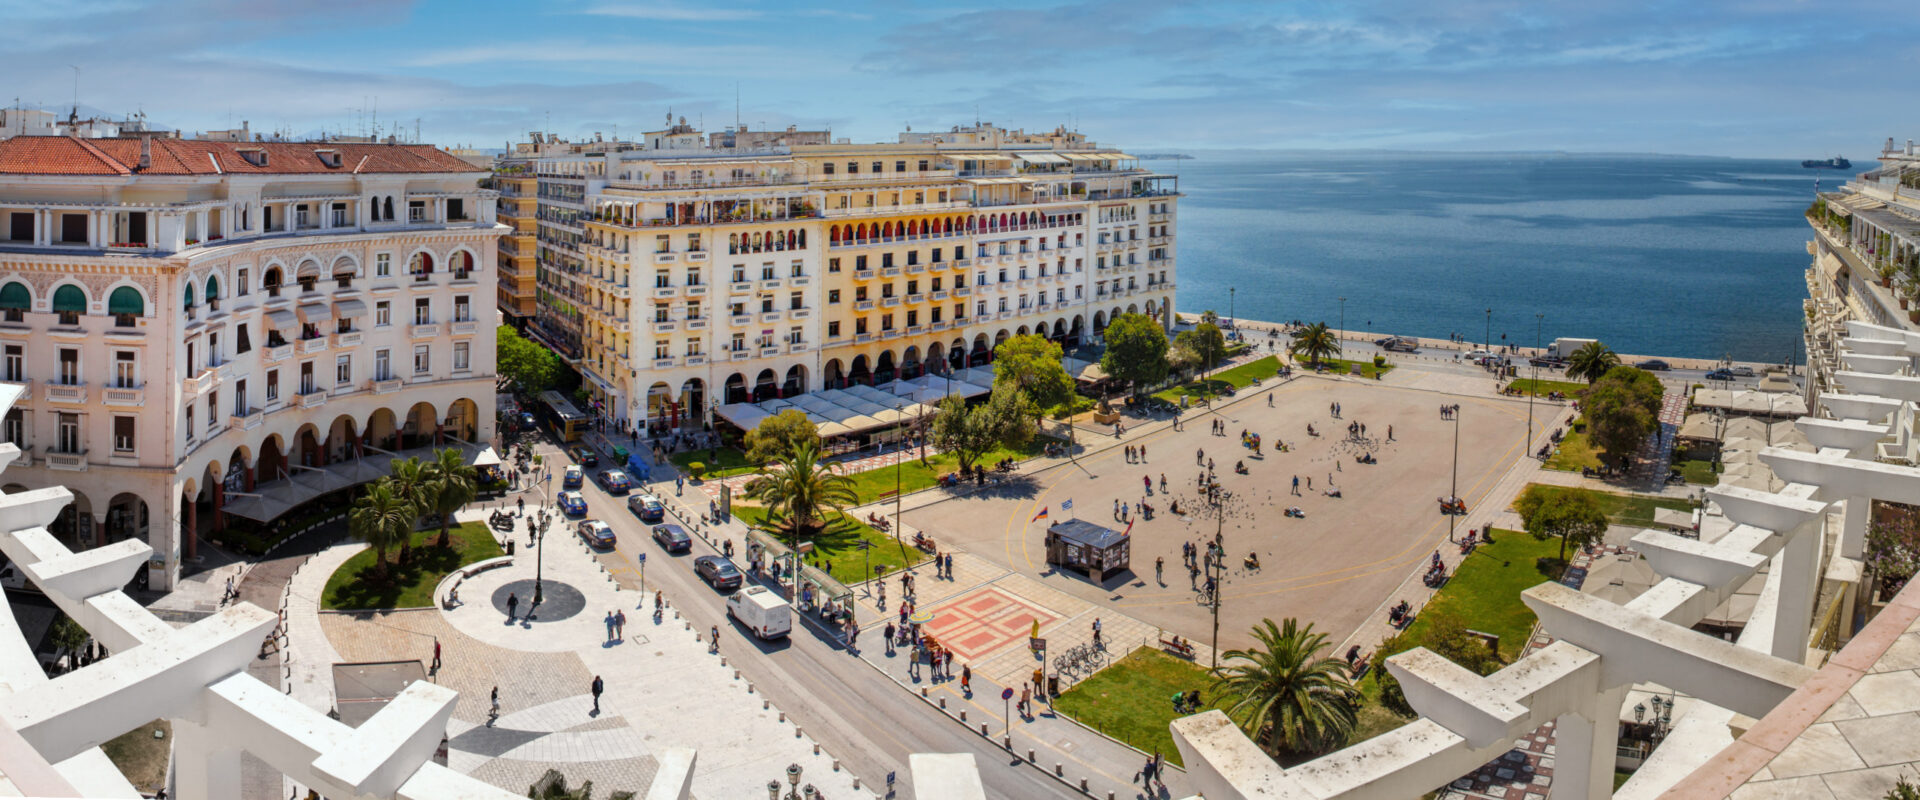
x=915, y=269
x=741, y=321
x=665, y=325
x=1026, y=283
x=426, y=330
x=464, y=327
x=69, y=462
x=939, y=296
x=889, y=302
x=697, y=255
x=798, y=281
x=769, y=316
x=893, y=334
x=889, y=272
x=281, y=353
x=198, y=383
x=66, y=392
x=666, y=258
x=664, y=363
x=799, y=313
x=962, y=263
x=315, y=344
x=348, y=339
x=1159, y=241
x=313, y=399
x=769, y=352
x=796, y=347
x=129, y=396
x=383, y=386
x=741, y=287
x=620, y=290
x=697, y=324
x=249, y=420
x=696, y=359
x=863, y=305
x=961, y=291
x=665, y=292
x=862, y=338
x=863, y=274
x=742, y=355
x=936, y=327
x=769, y=283
x=915, y=330
x=696, y=290
x=1160, y=217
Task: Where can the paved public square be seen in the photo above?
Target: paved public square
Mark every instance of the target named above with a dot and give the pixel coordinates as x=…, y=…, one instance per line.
x=1333, y=567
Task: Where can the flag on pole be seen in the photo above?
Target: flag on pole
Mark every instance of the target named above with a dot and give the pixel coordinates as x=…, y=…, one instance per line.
x=1040, y=516
x=1129, y=528
x=1067, y=505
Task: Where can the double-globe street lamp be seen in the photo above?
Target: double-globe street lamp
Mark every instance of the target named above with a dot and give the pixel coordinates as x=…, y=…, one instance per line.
x=794, y=790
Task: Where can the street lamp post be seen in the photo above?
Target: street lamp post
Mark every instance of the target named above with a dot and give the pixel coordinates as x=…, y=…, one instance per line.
x=1230, y=319
x=1487, y=344
x=539, y=557
x=1342, y=333
x=1454, y=492
x=1538, y=321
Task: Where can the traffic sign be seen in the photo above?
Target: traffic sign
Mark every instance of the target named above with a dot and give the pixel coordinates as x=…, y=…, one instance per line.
x=643, y=558
x=1006, y=694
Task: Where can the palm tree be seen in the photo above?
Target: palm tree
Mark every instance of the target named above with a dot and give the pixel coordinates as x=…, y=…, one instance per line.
x=800, y=490
x=412, y=480
x=1316, y=342
x=1286, y=696
x=453, y=485
x=382, y=518
x=1591, y=361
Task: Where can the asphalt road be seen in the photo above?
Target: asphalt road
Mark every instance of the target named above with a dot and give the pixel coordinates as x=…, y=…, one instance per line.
x=858, y=715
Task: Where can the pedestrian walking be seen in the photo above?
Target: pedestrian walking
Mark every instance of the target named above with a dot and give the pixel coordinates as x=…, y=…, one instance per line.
x=1159, y=566
x=966, y=680
x=1116, y=508
x=522, y=504
x=436, y=656
x=679, y=484
x=598, y=687
x=609, y=621
x=1296, y=485
x=715, y=646
x=889, y=631
x=1096, y=632
x=1026, y=701
x=1143, y=454
x=513, y=605
x=1389, y=433
x=949, y=566
x=620, y=625
x=494, y=712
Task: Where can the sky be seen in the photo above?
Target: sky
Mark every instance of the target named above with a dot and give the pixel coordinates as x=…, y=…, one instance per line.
x=1767, y=78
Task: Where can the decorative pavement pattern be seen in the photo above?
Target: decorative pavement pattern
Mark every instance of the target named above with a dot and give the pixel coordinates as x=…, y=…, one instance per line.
x=985, y=621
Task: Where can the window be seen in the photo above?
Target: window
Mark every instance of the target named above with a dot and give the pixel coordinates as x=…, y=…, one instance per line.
x=342, y=370
x=877, y=165
x=662, y=348
x=242, y=343
x=382, y=313
x=69, y=441
x=214, y=353
x=833, y=328
x=794, y=302
x=859, y=293
x=126, y=370
x=661, y=279
x=306, y=377
x=15, y=428
x=243, y=286
x=853, y=168
x=886, y=260
x=833, y=265
x=382, y=365
x=797, y=270
x=189, y=418
x=422, y=358
x=461, y=311
x=16, y=367
x=240, y=407
x=913, y=288
x=213, y=410
x=383, y=265
x=859, y=263
x=766, y=271
x=273, y=385
x=422, y=311
x=827, y=168
x=123, y=434
x=833, y=296
x=860, y=326
x=460, y=357
x=913, y=318
x=739, y=342
x=923, y=165
x=886, y=322
x=69, y=366
x=766, y=304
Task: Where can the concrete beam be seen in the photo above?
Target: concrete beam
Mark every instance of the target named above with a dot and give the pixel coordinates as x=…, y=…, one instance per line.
x=1715, y=565
x=33, y=508
x=1875, y=364
x=1223, y=764
x=1875, y=347
x=1857, y=329
x=163, y=678
x=391, y=745
x=1899, y=387
x=673, y=779
x=1862, y=478
x=1863, y=407
x=1638, y=647
x=1775, y=512
x=8, y=452
x=1458, y=698
x=90, y=572
x=944, y=776
x=1854, y=436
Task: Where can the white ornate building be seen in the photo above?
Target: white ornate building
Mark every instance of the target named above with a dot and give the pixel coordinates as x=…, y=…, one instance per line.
x=207, y=330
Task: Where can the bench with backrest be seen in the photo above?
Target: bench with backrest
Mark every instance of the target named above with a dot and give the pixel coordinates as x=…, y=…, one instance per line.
x=1180, y=648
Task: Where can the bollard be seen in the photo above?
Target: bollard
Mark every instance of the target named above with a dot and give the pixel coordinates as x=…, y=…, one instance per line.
x=1083, y=785
x=783, y=716
x=983, y=729
x=943, y=703
x=1057, y=771
x=816, y=748
x=856, y=781
x=836, y=768
x=749, y=687
x=923, y=692
x=736, y=673
x=963, y=715
x=1029, y=755
x=766, y=704
x=723, y=662
x=1109, y=794
x=1006, y=743
x=798, y=732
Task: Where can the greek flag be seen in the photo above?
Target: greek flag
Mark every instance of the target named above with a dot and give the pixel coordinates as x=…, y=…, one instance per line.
x=1066, y=505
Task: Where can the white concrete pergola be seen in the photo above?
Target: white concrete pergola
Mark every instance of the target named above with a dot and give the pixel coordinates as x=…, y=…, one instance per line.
x=1602, y=649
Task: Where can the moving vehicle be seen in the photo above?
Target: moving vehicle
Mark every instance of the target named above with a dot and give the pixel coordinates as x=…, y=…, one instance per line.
x=1401, y=344
x=596, y=533
x=584, y=455
x=574, y=504
x=615, y=482
x=1742, y=372
x=648, y=507
x=717, y=572
x=1565, y=347
x=572, y=478
x=1720, y=375
x=672, y=538
x=1654, y=365
x=1476, y=355
x=566, y=421
x=761, y=611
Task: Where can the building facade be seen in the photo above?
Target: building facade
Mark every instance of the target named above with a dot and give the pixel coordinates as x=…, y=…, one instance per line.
x=517, y=209
x=681, y=276
x=217, y=330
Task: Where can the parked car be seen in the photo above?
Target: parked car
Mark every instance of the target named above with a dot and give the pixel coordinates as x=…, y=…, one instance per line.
x=1654, y=365
x=1552, y=362
x=761, y=611
x=1402, y=345
x=572, y=477
x=717, y=572
x=647, y=506
x=1476, y=355
x=672, y=538
x=1384, y=340
x=596, y=533
x=573, y=503
x=584, y=455
x=1744, y=372
x=1720, y=375
x=615, y=482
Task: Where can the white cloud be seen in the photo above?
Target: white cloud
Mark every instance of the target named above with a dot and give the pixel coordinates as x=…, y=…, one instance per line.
x=671, y=13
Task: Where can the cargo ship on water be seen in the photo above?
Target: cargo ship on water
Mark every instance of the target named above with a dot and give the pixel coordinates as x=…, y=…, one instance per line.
x=1837, y=162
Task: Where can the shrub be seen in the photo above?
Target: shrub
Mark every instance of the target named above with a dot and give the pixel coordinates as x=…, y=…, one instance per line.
x=1379, y=361
x=537, y=458
x=698, y=468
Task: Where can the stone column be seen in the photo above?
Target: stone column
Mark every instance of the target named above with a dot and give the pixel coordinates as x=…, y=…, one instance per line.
x=192, y=533
x=1798, y=564
x=219, y=501
x=1584, y=746
x=249, y=476
x=202, y=768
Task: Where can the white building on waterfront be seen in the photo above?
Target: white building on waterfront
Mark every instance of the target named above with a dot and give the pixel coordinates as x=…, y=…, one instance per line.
x=206, y=331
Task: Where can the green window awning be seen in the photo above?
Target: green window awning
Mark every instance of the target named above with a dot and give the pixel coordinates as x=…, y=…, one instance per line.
x=70, y=298
x=126, y=300
x=15, y=296
x=213, y=288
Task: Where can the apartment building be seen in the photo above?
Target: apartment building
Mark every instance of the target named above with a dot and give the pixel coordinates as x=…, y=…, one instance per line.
x=207, y=330
x=694, y=278
x=517, y=209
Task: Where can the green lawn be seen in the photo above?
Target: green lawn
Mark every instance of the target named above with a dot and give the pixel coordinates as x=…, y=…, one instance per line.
x=1625, y=509
x=878, y=483
x=1132, y=699
x=1698, y=471
x=835, y=549
x=726, y=461
x=140, y=756
x=1542, y=388
x=1575, y=452
x=1216, y=384
x=355, y=586
x=1343, y=366
x=1484, y=592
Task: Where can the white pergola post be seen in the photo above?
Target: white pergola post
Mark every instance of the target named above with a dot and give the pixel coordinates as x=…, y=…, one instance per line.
x=1853, y=533
x=1585, y=743
x=201, y=766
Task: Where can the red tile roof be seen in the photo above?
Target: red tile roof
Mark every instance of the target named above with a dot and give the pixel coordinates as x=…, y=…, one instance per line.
x=61, y=155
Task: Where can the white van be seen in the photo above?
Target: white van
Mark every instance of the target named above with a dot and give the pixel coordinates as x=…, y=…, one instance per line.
x=762, y=611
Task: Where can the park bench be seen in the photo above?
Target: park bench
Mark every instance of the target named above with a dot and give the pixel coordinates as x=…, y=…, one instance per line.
x=1179, y=648
x=454, y=579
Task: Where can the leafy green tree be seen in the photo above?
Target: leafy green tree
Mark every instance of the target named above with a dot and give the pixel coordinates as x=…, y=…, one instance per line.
x=799, y=490
x=1287, y=696
x=1183, y=358
x=413, y=481
x=451, y=484
x=1571, y=515
x=780, y=435
x=1622, y=410
x=383, y=518
x=68, y=634
x=1035, y=367
x=523, y=363
x=1206, y=341
x=1136, y=351
x=971, y=432
x=1316, y=342
x=1443, y=632
x=1591, y=362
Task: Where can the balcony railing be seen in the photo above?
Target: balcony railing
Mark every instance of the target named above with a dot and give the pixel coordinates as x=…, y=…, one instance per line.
x=313, y=345
x=463, y=327
x=387, y=385
x=69, y=461
x=425, y=330
x=280, y=353
x=123, y=396
x=313, y=399
x=65, y=392
x=347, y=339
x=248, y=420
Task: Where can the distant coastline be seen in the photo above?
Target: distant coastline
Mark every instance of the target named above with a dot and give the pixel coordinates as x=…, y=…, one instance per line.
x=1163, y=157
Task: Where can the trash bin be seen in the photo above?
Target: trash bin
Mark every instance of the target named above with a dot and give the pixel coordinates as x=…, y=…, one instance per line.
x=1053, y=686
x=509, y=546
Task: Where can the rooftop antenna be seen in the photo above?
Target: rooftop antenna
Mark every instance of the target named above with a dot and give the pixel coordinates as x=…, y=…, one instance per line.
x=76, y=90
x=736, y=106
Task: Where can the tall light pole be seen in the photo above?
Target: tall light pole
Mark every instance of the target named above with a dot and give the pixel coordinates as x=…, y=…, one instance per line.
x=1538, y=321
x=1341, y=334
x=1230, y=319
x=1454, y=492
x=1487, y=344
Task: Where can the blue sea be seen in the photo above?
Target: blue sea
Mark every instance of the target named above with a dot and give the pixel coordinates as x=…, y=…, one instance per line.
x=1679, y=256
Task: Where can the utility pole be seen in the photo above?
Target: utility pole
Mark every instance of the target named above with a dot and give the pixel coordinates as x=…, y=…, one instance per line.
x=1341, y=334
x=1454, y=492
x=1538, y=321
x=1487, y=344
